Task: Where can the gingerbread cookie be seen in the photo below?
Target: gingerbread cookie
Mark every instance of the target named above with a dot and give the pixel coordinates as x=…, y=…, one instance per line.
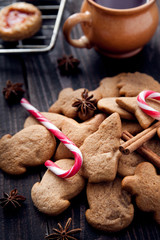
x=31, y=146
x=131, y=126
x=57, y=119
x=109, y=105
x=108, y=86
x=100, y=151
x=77, y=133
x=154, y=145
x=110, y=207
x=128, y=163
x=158, y=132
x=131, y=84
x=79, y=98
x=19, y=21
x=51, y=196
x=130, y=104
x=145, y=186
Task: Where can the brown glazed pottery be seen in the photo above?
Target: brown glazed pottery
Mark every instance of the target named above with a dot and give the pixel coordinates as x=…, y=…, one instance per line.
x=118, y=33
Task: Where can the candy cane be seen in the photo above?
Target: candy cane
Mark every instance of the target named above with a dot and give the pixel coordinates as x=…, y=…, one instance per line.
x=145, y=107
x=70, y=145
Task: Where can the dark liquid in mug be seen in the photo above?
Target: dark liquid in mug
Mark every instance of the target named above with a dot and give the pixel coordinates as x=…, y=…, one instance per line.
x=120, y=4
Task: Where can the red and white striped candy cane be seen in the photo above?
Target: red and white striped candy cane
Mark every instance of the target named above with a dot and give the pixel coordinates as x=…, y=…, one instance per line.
x=145, y=107
x=68, y=143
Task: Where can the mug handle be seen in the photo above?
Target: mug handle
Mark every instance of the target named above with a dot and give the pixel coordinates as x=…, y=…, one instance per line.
x=72, y=21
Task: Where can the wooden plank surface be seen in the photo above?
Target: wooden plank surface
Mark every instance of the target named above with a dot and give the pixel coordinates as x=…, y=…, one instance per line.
x=42, y=82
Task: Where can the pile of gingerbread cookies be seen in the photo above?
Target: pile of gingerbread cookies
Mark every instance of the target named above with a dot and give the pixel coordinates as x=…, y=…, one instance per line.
x=111, y=178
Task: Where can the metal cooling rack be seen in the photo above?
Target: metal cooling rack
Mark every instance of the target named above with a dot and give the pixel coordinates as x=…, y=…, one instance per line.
x=44, y=40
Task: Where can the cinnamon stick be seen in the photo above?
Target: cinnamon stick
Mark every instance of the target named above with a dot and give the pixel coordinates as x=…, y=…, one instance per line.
x=144, y=151
x=135, y=142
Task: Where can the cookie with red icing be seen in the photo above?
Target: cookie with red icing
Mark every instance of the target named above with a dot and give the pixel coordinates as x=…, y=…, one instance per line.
x=19, y=21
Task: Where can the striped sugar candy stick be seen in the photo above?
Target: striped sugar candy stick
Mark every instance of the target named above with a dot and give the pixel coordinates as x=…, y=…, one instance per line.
x=57, y=133
x=141, y=100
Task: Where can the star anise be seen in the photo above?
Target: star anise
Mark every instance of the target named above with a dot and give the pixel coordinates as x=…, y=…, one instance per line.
x=12, y=199
x=13, y=92
x=63, y=234
x=68, y=64
x=85, y=105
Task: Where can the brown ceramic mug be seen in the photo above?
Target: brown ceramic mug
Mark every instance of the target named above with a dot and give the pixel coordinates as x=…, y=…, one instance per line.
x=116, y=33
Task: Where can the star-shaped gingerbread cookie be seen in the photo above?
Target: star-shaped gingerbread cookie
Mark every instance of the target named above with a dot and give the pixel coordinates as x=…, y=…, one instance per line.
x=109, y=105
x=130, y=104
x=67, y=97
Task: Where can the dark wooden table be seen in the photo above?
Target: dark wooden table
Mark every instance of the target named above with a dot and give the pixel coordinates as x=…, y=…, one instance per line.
x=42, y=83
